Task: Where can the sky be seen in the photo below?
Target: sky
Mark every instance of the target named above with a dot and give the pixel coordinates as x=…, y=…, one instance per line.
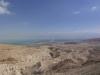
x=29, y=19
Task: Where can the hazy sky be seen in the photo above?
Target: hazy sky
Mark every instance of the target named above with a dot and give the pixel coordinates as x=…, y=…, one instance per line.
x=38, y=18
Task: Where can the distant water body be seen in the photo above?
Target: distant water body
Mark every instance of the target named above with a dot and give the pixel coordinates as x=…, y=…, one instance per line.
x=18, y=42
x=36, y=41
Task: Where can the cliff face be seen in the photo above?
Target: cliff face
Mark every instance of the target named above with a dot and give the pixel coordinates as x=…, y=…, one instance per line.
x=78, y=59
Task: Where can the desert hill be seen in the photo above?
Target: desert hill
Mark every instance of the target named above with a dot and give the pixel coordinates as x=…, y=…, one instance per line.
x=70, y=59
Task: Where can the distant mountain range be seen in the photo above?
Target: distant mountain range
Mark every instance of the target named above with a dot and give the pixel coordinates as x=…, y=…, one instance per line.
x=93, y=40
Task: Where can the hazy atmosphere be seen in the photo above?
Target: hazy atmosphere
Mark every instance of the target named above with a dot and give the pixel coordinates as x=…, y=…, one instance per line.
x=29, y=19
x=49, y=37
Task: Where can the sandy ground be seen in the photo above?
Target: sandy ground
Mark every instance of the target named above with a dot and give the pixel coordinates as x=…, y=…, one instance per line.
x=70, y=59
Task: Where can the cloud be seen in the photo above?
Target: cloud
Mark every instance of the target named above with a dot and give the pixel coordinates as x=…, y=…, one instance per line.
x=76, y=12
x=93, y=8
x=4, y=8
